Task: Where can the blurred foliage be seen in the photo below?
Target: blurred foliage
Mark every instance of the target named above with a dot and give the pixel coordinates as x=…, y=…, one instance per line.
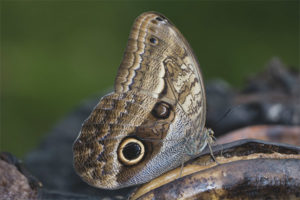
x=54, y=54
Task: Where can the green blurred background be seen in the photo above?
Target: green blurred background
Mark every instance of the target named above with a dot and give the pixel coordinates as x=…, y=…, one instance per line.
x=54, y=54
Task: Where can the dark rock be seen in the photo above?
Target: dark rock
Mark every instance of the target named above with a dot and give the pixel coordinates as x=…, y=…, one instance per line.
x=13, y=184
x=58, y=195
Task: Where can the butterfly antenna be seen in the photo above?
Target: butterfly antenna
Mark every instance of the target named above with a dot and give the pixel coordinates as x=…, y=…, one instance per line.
x=211, y=136
x=228, y=111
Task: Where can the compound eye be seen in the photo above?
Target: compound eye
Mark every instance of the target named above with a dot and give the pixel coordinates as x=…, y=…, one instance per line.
x=161, y=110
x=131, y=151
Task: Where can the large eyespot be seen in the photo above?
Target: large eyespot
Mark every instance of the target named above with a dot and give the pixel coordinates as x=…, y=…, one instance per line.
x=161, y=110
x=131, y=151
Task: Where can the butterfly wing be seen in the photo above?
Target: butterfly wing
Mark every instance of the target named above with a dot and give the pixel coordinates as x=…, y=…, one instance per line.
x=157, y=109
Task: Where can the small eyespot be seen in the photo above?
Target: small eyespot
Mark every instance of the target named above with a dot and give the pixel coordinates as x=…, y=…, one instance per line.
x=153, y=21
x=158, y=19
x=131, y=151
x=153, y=40
x=161, y=110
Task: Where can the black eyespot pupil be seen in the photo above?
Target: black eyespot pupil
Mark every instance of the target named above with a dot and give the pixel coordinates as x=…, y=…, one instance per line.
x=161, y=110
x=158, y=19
x=153, y=40
x=131, y=151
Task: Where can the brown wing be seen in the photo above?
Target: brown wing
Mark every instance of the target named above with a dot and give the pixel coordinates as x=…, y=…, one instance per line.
x=158, y=68
x=152, y=40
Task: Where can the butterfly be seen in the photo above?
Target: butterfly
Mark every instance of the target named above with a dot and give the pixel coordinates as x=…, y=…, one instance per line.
x=154, y=119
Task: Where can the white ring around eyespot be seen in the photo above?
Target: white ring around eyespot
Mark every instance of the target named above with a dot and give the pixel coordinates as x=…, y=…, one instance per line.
x=122, y=158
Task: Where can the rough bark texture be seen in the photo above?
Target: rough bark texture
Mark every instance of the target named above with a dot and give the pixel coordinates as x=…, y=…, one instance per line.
x=13, y=184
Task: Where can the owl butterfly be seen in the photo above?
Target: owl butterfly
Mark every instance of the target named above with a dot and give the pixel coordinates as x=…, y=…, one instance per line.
x=154, y=120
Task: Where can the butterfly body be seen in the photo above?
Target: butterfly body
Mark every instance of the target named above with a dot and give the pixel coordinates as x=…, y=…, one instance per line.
x=154, y=120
